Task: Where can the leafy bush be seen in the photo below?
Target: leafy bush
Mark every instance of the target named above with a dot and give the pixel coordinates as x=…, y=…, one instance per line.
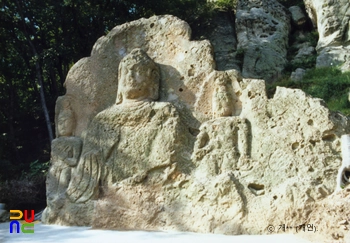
x=289, y=3
x=28, y=190
x=306, y=61
x=311, y=37
x=37, y=170
x=327, y=83
x=226, y=5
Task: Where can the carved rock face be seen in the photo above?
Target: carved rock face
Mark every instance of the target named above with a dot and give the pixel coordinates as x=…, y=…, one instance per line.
x=92, y=82
x=185, y=147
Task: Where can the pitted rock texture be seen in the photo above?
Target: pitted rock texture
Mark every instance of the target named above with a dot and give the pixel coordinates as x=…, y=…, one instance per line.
x=332, y=19
x=222, y=35
x=298, y=15
x=171, y=143
x=333, y=215
x=262, y=33
x=298, y=74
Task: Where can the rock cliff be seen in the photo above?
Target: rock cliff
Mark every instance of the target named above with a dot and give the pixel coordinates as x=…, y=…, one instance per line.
x=151, y=136
x=332, y=19
x=262, y=32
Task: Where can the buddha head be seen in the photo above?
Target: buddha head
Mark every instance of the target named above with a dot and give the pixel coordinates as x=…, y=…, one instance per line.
x=138, y=78
x=65, y=119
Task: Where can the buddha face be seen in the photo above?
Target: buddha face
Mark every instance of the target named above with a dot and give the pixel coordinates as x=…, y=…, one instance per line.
x=138, y=78
x=65, y=121
x=65, y=125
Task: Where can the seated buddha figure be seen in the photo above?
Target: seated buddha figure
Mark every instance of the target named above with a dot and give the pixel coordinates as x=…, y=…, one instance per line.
x=133, y=137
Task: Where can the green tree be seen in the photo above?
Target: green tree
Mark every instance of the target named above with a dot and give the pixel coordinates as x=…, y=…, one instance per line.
x=40, y=41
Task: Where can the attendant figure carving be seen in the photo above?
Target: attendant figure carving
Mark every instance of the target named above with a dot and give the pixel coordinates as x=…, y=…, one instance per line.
x=223, y=142
x=222, y=100
x=222, y=145
x=65, y=153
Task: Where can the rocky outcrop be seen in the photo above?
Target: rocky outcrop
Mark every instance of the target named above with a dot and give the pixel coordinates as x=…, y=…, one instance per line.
x=262, y=32
x=167, y=142
x=344, y=171
x=222, y=35
x=298, y=15
x=298, y=74
x=332, y=219
x=305, y=51
x=332, y=19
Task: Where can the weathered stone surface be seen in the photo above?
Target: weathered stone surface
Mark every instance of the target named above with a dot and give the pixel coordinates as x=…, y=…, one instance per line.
x=298, y=74
x=346, y=66
x=298, y=16
x=222, y=35
x=304, y=51
x=92, y=82
x=333, y=56
x=65, y=154
x=344, y=171
x=181, y=146
x=135, y=139
x=332, y=19
x=330, y=214
x=219, y=95
x=262, y=32
x=280, y=149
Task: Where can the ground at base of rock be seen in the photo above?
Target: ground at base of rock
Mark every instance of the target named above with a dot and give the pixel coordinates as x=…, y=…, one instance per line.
x=54, y=233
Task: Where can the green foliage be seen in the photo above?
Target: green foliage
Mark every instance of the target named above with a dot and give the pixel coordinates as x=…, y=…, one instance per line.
x=227, y=5
x=284, y=81
x=28, y=189
x=306, y=62
x=36, y=170
x=327, y=83
x=61, y=32
x=311, y=37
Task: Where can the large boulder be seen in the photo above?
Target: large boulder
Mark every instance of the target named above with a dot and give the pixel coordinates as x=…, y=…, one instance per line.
x=298, y=16
x=298, y=74
x=150, y=136
x=332, y=19
x=262, y=31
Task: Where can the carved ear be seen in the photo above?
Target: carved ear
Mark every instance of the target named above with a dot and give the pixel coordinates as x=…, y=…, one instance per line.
x=119, y=99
